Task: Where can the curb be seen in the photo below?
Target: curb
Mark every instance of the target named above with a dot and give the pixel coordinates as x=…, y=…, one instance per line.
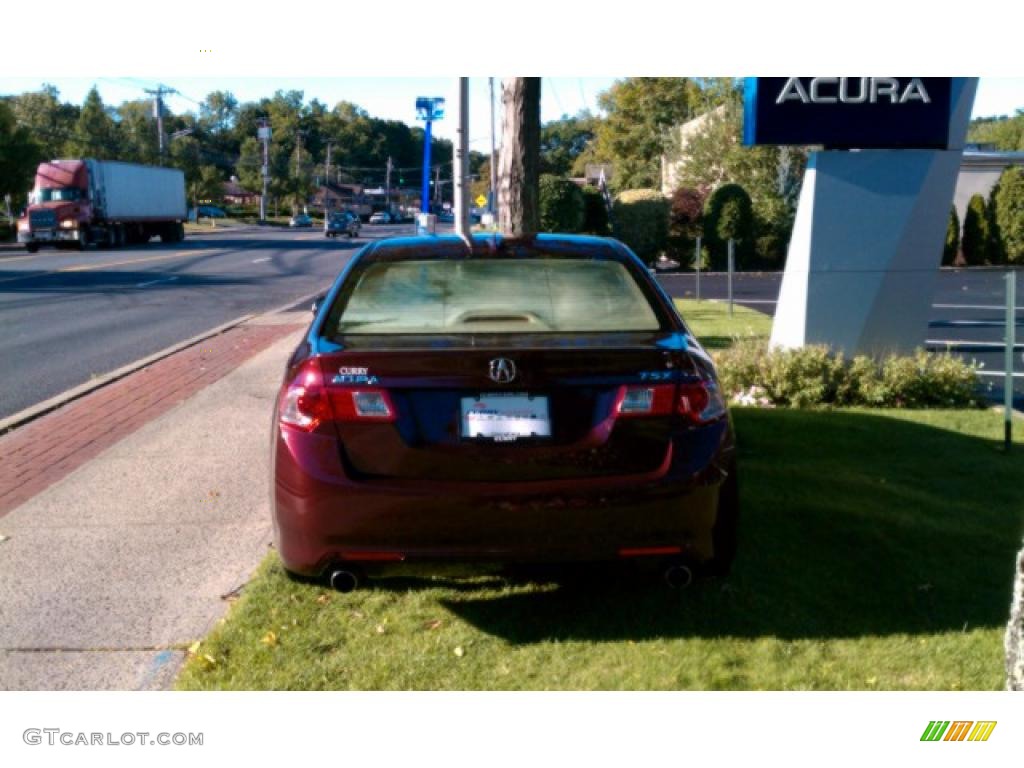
x=58, y=401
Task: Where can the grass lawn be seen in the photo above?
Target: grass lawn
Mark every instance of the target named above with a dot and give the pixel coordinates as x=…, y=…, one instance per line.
x=877, y=552
x=711, y=323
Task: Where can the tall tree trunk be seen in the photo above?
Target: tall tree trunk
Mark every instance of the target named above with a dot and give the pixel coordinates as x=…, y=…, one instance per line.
x=1015, y=632
x=519, y=163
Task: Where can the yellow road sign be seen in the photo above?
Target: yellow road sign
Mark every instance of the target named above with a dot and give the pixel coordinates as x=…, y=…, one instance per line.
x=480, y=201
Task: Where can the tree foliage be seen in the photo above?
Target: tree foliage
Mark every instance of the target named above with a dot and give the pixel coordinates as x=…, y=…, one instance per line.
x=563, y=142
x=951, y=247
x=95, y=133
x=641, y=112
x=772, y=176
x=19, y=155
x=561, y=205
x=1006, y=133
x=977, y=234
x=1007, y=215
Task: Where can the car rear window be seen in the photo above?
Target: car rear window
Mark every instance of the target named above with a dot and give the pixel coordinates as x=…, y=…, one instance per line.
x=535, y=295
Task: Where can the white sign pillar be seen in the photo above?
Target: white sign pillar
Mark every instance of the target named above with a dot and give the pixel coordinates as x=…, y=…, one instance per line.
x=867, y=244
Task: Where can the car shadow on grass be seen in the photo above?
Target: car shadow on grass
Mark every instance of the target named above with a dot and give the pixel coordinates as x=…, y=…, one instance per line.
x=853, y=524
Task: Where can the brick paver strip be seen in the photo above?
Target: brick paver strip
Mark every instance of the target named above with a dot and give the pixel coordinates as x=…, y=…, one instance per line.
x=38, y=454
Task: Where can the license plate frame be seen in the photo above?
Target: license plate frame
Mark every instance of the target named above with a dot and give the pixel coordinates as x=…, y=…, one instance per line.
x=505, y=417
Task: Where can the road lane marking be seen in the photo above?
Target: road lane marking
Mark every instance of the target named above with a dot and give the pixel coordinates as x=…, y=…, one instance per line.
x=258, y=261
x=94, y=267
x=154, y=282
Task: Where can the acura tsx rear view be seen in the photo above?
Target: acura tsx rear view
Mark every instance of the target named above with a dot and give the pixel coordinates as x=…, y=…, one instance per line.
x=510, y=401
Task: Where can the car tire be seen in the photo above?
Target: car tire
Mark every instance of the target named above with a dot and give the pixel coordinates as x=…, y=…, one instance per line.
x=725, y=533
x=32, y=247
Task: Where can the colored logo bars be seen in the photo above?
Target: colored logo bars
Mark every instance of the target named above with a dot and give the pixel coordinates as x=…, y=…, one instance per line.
x=958, y=730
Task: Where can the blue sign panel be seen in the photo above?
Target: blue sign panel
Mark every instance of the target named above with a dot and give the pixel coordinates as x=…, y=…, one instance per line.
x=849, y=112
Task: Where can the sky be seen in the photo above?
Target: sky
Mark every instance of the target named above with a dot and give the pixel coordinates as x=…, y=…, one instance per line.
x=394, y=98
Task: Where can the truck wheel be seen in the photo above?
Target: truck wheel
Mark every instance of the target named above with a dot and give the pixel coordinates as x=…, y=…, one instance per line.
x=32, y=247
x=80, y=243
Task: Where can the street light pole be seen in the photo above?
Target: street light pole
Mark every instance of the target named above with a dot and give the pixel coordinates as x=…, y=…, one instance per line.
x=264, y=133
x=428, y=110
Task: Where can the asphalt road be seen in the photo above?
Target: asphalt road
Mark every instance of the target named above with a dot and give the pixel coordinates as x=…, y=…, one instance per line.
x=968, y=313
x=66, y=316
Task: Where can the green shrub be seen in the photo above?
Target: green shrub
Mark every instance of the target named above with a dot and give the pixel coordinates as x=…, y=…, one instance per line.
x=730, y=216
x=813, y=376
x=641, y=221
x=801, y=377
x=1007, y=209
x=977, y=237
x=595, y=212
x=561, y=205
x=952, y=244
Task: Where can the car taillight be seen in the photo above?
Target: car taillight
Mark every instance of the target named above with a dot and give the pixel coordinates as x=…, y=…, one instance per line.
x=305, y=404
x=362, y=405
x=700, y=401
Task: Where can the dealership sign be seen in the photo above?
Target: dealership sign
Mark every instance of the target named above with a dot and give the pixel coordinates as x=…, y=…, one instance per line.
x=848, y=112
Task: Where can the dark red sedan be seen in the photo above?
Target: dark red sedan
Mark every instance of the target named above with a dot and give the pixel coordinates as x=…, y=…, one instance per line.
x=517, y=401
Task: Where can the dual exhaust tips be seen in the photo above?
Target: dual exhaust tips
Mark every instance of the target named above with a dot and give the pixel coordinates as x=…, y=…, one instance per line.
x=676, y=576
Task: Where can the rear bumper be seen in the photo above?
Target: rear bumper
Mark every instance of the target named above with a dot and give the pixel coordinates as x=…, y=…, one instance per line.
x=322, y=517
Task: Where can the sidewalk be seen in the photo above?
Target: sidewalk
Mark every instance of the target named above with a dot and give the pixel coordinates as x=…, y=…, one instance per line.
x=134, y=512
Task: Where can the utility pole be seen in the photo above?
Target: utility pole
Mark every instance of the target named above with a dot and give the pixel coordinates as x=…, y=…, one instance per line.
x=299, y=135
x=158, y=112
x=492, y=197
x=518, y=203
x=387, y=185
x=263, y=133
x=437, y=188
x=461, y=167
x=327, y=180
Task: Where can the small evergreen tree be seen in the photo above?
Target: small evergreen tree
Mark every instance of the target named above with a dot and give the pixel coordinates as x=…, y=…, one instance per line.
x=729, y=216
x=977, y=235
x=952, y=245
x=1007, y=216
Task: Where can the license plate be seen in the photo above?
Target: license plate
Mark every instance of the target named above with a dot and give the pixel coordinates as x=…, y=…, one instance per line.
x=506, y=417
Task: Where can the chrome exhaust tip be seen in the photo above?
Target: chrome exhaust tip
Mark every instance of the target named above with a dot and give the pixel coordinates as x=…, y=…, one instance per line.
x=678, y=576
x=345, y=581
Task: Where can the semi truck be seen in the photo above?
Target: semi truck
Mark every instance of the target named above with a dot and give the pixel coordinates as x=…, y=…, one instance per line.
x=77, y=202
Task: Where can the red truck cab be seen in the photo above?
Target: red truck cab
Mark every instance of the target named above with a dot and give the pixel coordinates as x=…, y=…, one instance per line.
x=59, y=207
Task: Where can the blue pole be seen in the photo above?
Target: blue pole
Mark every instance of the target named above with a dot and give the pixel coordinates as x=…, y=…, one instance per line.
x=425, y=203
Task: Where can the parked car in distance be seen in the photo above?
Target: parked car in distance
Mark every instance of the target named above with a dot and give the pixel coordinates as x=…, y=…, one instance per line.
x=300, y=220
x=380, y=217
x=211, y=212
x=342, y=224
x=539, y=402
